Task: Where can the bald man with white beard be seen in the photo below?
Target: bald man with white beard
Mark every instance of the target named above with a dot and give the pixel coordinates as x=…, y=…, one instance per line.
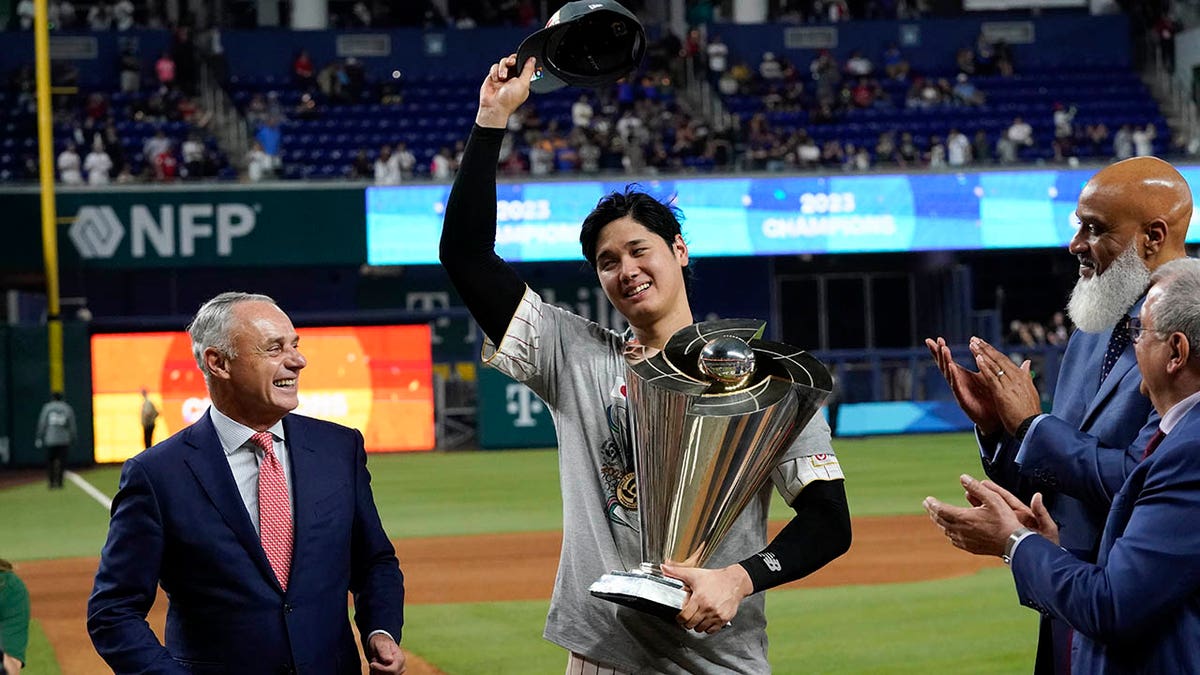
x=1133, y=217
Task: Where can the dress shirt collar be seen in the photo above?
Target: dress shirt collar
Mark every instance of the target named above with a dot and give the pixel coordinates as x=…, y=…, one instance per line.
x=1177, y=412
x=233, y=435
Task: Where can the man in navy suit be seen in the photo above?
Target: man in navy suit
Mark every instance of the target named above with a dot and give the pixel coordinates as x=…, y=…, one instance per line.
x=1137, y=608
x=255, y=522
x=1133, y=218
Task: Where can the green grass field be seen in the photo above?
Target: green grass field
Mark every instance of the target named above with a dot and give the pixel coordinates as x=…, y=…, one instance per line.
x=962, y=625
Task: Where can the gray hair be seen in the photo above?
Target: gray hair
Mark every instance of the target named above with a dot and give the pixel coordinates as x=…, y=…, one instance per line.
x=210, y=326
x=1178, y=306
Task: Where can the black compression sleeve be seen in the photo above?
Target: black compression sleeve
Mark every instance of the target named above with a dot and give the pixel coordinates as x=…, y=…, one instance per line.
x=818, y=533
x=490, y=288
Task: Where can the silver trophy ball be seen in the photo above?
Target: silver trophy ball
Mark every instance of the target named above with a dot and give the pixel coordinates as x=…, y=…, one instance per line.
x=728, y=360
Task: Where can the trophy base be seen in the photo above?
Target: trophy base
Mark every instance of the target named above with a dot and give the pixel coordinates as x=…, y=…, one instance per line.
x=661, y=596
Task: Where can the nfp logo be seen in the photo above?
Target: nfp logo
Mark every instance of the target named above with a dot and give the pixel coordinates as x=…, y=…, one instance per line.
x=97, y=232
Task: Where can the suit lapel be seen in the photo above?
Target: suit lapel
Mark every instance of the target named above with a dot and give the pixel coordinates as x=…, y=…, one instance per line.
x=1124, y=364
x=306, y=472
x=211, y=469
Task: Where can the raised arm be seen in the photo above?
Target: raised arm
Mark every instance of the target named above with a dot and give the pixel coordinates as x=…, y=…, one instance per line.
x=490, y=287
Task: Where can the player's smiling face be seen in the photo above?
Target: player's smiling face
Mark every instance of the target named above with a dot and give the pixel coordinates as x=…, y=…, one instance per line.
x=641, y=275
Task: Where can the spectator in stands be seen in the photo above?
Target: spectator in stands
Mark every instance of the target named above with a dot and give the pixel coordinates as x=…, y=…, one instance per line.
x=155, y=145
x=125, y=176
x=1004, y=59
x=894, y=63
x=964, y=60
x=1123, y=142
x=69, y=166
x=858, y=65
x=164, y=70
x=131, y=71
x=769, y=68
x=808, y=155
x=387, y=167
x=985, y=55
x=193, y=157
x=1020, y=133
x=862, y=95
x=1165, y=29
x=885, y=149
x=837, y=10
x=966, y=93
x=861, y=159
x=122, y=13
x=98, y=164
x=1143, y=141
x=1059, y=332
x=99, y=17
x=824, y=71
x=303, y=71
x=937, y=153
x=62, y=14
x=165, y=166
x=25, y=11
x=114, y=148
x=1064, y=132
x=306, y=108
x=958, y=148
x=406, y=159
x=1097, y=137
x=441, y=167
x=361, y=168
x=271, y=137
x=582, y=112
x=907, y=152
x=981, y=148
x=258, y=163
x=717, y=53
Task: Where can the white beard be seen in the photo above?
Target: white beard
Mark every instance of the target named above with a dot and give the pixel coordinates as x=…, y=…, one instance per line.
x=1097, y=303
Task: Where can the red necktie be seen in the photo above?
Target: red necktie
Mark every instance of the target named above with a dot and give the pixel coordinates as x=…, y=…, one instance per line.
x=1154, y=441
x=274, y=509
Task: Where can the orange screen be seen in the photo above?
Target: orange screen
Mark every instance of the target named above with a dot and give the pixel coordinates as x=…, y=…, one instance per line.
x=377, y=379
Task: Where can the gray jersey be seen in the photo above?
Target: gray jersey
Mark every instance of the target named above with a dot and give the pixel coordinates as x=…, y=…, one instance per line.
x=56, y=424
x=578, y=369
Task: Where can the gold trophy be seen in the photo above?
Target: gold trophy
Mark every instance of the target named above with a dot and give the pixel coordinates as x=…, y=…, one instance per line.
x=710, y=417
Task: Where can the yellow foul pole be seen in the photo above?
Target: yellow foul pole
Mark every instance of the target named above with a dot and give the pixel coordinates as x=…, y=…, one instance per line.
x=41, y=46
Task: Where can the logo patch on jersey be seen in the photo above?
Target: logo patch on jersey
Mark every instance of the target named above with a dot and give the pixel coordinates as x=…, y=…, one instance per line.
x=823, y=459
x=771, y=561
x=627, y=494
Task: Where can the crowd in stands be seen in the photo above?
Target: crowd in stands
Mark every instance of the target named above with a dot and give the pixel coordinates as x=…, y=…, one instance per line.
x=96, y=15
x=1030, y=333
x=150, y=129
x=871, y=111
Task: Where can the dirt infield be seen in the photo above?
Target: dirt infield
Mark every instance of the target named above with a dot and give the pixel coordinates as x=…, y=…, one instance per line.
x=464, y=569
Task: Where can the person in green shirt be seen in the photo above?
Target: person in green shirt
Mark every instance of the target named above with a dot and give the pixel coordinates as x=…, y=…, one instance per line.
x=14, y=619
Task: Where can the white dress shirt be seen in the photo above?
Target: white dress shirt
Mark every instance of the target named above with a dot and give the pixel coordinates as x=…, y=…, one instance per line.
x=245, y=457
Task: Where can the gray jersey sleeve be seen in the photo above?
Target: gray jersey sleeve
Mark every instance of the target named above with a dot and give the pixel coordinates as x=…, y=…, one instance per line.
x=810, y=458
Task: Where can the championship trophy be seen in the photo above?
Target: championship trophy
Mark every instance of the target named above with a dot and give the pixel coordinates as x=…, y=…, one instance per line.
x=710, y=416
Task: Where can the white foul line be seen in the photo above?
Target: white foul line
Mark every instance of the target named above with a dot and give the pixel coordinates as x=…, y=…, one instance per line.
x=89, y=489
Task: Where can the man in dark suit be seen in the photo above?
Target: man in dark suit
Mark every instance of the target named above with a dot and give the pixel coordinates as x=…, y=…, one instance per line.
x=1133, y=218
x=1137, y=609
x=255, y=522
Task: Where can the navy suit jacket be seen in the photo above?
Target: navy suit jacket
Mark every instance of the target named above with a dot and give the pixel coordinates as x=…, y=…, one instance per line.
x=179, y=521
x=1137, y=610
x=1080, y=456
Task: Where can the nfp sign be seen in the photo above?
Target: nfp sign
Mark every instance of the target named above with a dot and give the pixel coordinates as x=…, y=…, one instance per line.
x=173, y=232
x=232, y=227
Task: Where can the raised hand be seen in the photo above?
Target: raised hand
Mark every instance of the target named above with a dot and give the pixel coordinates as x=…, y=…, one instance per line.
x=969, y=388
x=500, y=96
x=1013, y=394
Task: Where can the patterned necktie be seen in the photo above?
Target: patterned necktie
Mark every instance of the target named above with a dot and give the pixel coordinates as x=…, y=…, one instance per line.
x=1117, y=343
x=1153, y=444
x=274, y=509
